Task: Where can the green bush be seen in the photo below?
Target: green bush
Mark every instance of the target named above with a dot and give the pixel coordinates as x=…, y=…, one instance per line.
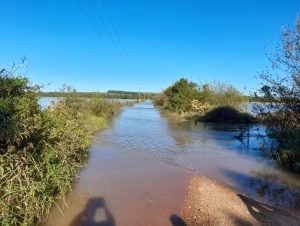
x=19, y=113
x=227, y=114
x=161, y=100
x=185, y=96
x=104, y=108
x=287, y=151
x=221, y=94
x=180, y=95
x=41, y=152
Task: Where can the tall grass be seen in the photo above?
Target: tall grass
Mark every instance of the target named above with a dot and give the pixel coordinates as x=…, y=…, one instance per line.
x=41, y=151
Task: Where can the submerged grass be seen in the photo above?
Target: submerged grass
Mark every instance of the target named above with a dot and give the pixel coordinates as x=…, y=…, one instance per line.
x=285, y=149
x=41, y=151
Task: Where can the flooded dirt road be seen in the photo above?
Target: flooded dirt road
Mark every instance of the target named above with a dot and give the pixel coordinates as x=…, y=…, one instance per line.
x=139, y=170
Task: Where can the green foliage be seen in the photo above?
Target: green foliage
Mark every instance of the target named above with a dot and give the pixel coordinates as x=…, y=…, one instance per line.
x=161, y=100
x=111, y=94
x=41, y=152
x=287, y=151
x=184, y=96
x=97, y=123
x=19, y=113
x=104, y=108
x=227, y=114
x=221, y=94
x=180, y=95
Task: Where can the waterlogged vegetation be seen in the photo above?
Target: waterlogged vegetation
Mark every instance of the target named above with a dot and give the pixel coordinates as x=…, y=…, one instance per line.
x=278, y=97
x=227, y=114
x=41, y=151
x=280, y=92
x=188, y=98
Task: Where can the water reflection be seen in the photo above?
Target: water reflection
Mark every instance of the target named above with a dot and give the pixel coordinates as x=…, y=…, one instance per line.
x=182, y=137
x=213, y=150
x=277, y=187
x=95, y=213
x=189, y=136
x=146, y=153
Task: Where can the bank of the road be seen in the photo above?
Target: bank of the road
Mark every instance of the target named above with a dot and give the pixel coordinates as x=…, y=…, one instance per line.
x=42, y=150
x=211, y=203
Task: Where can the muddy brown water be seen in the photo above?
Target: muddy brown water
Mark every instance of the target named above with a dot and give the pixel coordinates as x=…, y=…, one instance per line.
x=139, y=170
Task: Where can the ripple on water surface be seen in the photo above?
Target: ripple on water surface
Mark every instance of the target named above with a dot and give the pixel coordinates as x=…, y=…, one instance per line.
x=140, y=167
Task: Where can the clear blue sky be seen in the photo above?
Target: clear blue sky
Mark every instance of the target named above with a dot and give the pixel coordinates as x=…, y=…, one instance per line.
x=127, y=44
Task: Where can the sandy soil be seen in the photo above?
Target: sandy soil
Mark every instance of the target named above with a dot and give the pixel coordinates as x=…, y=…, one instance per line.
x=210, y=203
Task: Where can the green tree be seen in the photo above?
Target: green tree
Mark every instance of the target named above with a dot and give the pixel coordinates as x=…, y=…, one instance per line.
x=180, y=95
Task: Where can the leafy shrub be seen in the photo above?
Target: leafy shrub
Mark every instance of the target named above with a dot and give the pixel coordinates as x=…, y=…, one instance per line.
x=287, y=151
x=227, y=114
x=104, y=108
x=41, y=152
x=221, y=94
x=180, y=95
x=19, y=113
x=184, y=96
x=161, y=100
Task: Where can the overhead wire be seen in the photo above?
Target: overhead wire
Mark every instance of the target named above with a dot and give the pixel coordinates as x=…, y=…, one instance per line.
x=111, y=36
x=97, y=31
x=119, y=54
x=115, y=30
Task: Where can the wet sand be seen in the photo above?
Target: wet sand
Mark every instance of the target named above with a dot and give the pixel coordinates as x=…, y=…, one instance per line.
x=211, y=203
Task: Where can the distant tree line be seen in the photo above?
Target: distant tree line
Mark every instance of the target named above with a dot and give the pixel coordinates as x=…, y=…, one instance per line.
x=111, y=94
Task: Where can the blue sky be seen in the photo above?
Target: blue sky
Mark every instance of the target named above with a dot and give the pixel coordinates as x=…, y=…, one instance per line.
x=97, y=45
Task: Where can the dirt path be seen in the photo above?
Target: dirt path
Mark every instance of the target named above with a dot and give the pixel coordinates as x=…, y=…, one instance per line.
x=210, y=203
